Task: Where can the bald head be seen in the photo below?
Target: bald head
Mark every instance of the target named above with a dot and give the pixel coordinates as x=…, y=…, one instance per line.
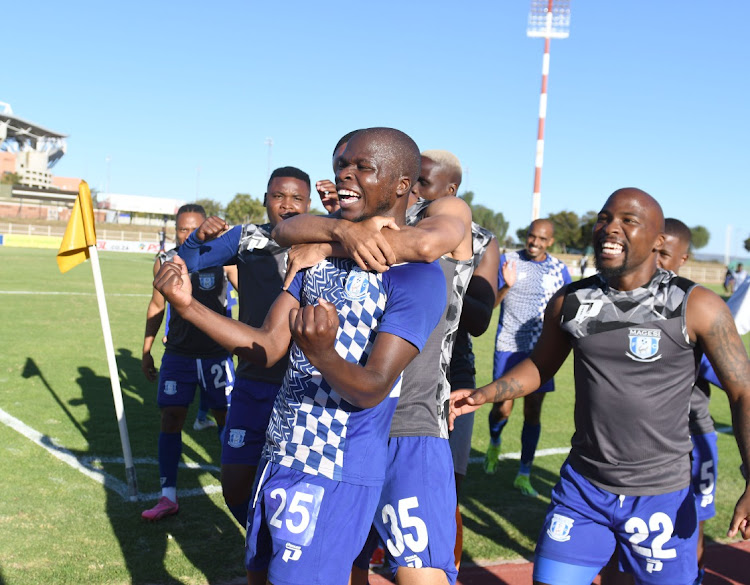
x=539, y=237
x=628, y=233
x=395, y=149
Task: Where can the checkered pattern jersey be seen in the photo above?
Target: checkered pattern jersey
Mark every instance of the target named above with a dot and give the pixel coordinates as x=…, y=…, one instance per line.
x=522, y=309
x=312, y=428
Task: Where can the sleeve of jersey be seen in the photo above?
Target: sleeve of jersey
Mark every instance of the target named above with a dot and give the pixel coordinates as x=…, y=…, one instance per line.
x=199, y=255
x=706, y=371
x=295, y=288
x=416, y=301
x=566, y=275
x=500, y=279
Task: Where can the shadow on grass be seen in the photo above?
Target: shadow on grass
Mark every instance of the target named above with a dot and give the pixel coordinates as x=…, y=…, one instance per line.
x=200, y=529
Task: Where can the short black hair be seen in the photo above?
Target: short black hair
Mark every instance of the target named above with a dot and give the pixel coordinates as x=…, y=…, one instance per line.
x=674, y=227
x=191, y=208
x=343, y=139
x=292, y=172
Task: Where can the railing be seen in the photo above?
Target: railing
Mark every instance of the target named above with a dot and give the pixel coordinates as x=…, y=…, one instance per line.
x=58, y=231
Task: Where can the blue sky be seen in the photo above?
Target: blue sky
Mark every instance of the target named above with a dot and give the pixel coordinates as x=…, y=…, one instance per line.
x=181, y=96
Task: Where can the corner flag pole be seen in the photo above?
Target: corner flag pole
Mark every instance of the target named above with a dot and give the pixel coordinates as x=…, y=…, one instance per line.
x=79, y=243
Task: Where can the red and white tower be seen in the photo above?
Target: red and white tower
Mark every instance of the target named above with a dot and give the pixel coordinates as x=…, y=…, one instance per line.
x=549, y=19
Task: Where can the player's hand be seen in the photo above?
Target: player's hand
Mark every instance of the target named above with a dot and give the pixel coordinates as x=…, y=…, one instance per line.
x=301, y=256
x=464, y=401
x=211, y=229
x=173, y=282
x=510, y=274
x=314, y=329
x=328, y=195
x=364, y=243
x=148, y=367
x=741, y=518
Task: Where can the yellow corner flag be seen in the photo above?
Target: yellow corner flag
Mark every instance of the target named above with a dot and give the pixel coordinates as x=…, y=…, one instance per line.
x=80, y=232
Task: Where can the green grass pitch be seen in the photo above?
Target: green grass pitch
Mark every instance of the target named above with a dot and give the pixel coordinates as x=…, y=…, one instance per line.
x=63, y=517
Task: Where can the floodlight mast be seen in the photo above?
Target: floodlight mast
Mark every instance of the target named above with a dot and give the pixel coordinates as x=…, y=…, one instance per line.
x=548, y=19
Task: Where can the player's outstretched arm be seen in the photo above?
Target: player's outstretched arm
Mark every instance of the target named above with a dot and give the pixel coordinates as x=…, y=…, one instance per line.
x=154, y=318
x=264, y=346
x=711, y=324
x=210, y=245
x=548, y=355
x=314, y=330
x=479, y=300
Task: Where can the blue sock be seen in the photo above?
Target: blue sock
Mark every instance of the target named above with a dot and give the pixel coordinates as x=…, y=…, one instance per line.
x=239, y=511
x=170, y=451
x=529, y=441
x=495, y=429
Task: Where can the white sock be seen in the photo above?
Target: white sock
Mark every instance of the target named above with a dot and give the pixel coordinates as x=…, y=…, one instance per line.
x=169, y=492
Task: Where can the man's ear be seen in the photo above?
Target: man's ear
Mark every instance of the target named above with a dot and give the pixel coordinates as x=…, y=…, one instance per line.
x=453, y=189
x=659, y=243
x=404, y=186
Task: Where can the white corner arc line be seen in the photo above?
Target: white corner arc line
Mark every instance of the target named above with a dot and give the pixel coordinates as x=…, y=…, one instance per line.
x=99, y=476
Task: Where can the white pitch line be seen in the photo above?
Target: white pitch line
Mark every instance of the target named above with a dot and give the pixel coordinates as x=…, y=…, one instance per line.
x=562, y=450
x=86, y=465
x=540, y=453
x=76, y=294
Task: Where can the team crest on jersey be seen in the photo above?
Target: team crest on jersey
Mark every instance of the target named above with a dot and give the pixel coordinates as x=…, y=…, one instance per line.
x=170, y=387
x=236, y=438
x=357, y=285
x=643, y=344
x=559, y=528
x=206, y=280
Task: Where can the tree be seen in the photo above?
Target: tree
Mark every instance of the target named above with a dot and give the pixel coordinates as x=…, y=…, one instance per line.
x=588, y=221
x=747, y=244
x=567, y=229
x=486, y=217
x=521, y=234
x=700, y=236
x=10, y=178
x=245, y=209
x=211, y=206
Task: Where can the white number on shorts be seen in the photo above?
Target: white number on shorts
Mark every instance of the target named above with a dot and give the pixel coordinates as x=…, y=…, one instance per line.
x=640, y=531
x=707, y=476
x=217, y=370
x=297, y=506
x=280, y=494
x=400, y=540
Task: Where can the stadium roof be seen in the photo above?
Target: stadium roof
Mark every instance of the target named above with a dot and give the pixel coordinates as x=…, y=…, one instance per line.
x=18, y=135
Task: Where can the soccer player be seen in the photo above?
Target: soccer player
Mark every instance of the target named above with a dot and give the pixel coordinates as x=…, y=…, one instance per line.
x=419, y=467
x=190, y=359
x=637, y=332
x=526, y=283
x=354, y=332
x=261, y=267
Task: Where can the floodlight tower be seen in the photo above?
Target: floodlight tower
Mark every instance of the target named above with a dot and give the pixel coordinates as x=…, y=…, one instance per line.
x=549, y=19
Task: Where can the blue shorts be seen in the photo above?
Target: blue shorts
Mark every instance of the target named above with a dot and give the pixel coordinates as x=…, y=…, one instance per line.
x=656, y=536
x=247, y=421
x=179, y=376
x=285, y=537
x=505, y=360
x=416, y=515
x=705, y=471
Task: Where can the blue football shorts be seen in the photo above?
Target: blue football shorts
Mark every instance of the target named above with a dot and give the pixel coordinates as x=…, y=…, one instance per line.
x=656, y=536
x=179, y=376
x=306, y=529
x=416, y=514
x=247, y=421
x=704, y=473
x=505, y=360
